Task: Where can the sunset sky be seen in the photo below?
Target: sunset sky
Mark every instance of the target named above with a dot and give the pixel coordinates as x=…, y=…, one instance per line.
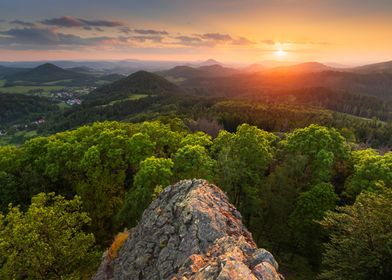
x=247, y=31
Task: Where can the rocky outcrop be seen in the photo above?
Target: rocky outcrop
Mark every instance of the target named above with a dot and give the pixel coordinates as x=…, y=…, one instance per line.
x=190, y=231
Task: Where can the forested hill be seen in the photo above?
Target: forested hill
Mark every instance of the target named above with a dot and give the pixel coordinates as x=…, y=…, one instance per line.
x=44, y=73
x=141, y=82
x=19, y=106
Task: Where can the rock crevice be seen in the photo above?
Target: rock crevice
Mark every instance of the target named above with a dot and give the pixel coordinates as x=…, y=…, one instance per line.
x=190, y=231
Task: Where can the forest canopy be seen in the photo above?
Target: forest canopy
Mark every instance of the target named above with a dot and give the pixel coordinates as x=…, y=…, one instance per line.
x=116, y=169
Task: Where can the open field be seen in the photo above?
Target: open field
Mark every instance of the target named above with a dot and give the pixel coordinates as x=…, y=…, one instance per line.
x=131, y=97
x=29, y=89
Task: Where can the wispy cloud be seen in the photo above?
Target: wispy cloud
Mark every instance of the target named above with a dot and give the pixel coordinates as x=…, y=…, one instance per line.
x=50, y=34
x=216, y=37
x=243, y=41
x=150, y=32
x=293, y=42
x=268, y=42
x=68, y=21
x=22, y=23
x=43, y=38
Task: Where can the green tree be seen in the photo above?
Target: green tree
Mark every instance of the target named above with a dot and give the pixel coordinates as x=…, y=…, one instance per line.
x=154, y=174
x=46, y=241
x=360, y=244
x=166, y=141
x=140, y=147
x=371, y=172
x=193, y=161
x=311, y=207
x=306, y=158
x=242, y=161
x=10, y=190
x=325, y=149
x=198, y=138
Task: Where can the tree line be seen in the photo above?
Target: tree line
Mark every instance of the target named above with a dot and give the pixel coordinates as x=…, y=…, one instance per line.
x=311, y=196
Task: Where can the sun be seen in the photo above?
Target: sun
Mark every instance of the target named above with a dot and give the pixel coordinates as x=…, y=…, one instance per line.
x=280, y=53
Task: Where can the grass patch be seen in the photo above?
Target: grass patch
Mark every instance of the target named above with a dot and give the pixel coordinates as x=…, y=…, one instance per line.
x=131, y=97
x=27, y=89
x=101, y=82
x=62, y=106
x=57, y=82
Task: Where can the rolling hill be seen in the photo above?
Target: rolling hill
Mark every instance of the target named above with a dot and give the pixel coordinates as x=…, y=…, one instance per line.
x=4, y=71
x=44, y=73
x=50, y=73
x=138, y=83
x=187, y=72
x=382, y=67
x=307, y=67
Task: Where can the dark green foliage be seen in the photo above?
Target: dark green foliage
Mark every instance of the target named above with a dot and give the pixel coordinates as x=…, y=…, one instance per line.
x=360, y=239
x=310, y=208
x=141, y=82
x=153, y=175
x=46, y=241
x=14, y=107
x=371, y=172
x=193, y=161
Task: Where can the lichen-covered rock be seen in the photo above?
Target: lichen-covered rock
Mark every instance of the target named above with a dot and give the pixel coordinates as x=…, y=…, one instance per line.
x=190, y=231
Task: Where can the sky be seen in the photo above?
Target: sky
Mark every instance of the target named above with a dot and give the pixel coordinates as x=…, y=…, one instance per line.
x=236, y=31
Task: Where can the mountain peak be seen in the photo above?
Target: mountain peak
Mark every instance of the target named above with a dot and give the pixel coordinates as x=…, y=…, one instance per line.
x=190, y=231
x=48, y=66
x=210, y=62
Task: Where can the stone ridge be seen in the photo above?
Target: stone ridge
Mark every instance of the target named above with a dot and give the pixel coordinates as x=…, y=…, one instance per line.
x=190, y=231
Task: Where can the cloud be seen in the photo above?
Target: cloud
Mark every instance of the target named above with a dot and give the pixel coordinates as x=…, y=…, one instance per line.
x=242, y=41
x=188, y=39
x=216, y=37
x=291, y=42
x=150, y=32
x=49, y=34
x=43, y=38
x=268, y=42
x=22, y=23
x=142, y=39
x=125, y=29
x=68, y=21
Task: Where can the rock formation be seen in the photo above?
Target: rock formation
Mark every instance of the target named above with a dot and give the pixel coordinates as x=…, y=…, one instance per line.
x=190, y=231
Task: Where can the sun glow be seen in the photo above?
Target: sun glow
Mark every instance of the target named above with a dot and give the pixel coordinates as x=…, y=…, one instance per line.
x=280, y=52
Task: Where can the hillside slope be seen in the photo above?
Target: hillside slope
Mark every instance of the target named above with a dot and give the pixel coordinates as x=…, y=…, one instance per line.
x=382, y=67
x=141, y=82
x=190, y=231
x=44, y=73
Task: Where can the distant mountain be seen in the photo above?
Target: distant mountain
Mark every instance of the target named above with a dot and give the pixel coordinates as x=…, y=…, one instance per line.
x=253, y=68
x=277, y=63
x=210, y=62
x=141, y=82
x=44, y=73
x=307, y=67
x=4, y=71
x=293, y=78
x=85, y=70
x=112, y=77
x=383, y=67
x=187, y=72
